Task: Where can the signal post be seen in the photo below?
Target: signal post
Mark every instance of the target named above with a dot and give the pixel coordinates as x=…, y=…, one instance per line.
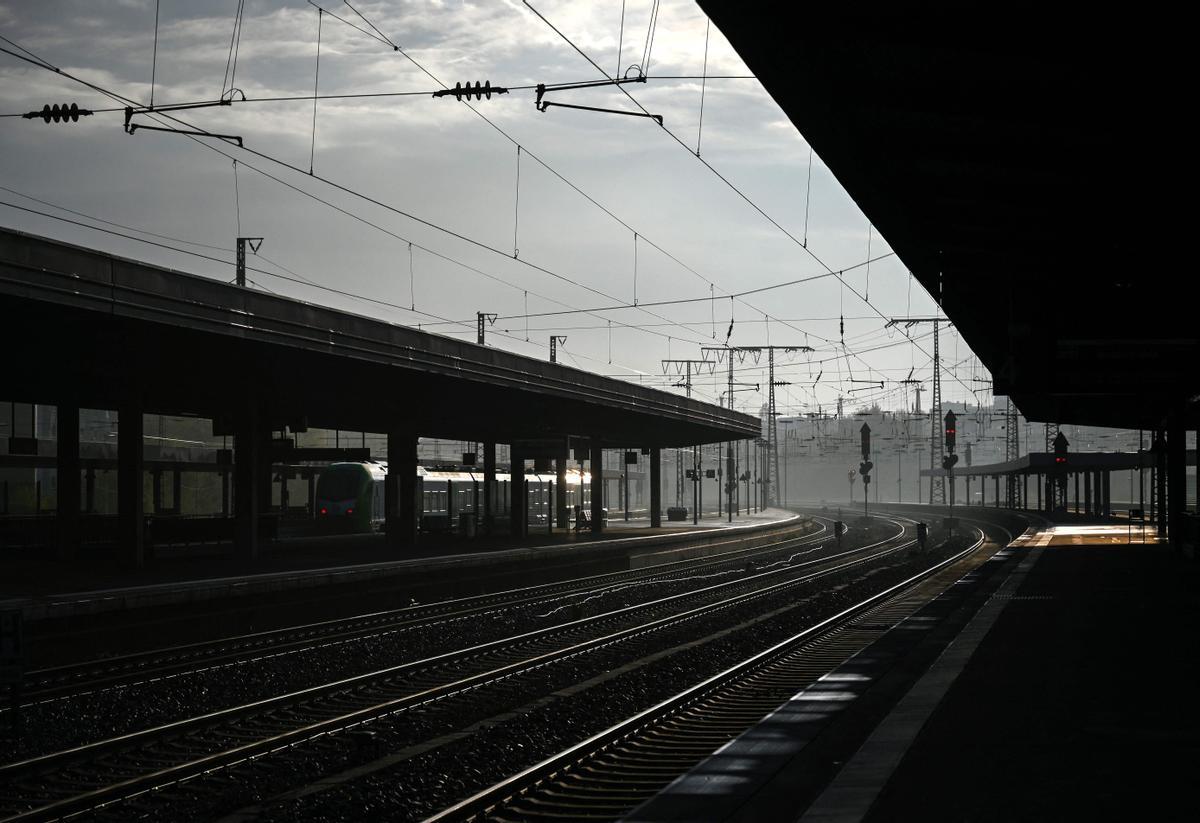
x=864, y=468
x=948, y=463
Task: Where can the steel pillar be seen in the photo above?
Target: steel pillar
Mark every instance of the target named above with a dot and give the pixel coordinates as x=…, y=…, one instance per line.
x=247, y=481
x=561, y=514
x=518, y=501
x=1176, y=480
x=1160, y=481
x=401, y=491
x=597, y=489
x=997, y=479
x=68, y=467
x=489, y=487
x=130, y=503
x=655, y=487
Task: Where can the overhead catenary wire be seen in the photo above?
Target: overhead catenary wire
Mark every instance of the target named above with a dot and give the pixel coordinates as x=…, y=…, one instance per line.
x=235, y=43
x=154, y=54
x=237, y=199
x=43, y=64
x=703, y=85
x=316, y=82
x=308, y=98
x=366, y=198
x=293, y=277
x=545, y=165
x=620, y=41
x=317, y=96
x=510, y=138
x=276, y=161
x=715, y=171
x=517, y=205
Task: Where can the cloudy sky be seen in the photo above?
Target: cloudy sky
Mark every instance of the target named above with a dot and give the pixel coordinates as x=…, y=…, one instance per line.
x=412, y=205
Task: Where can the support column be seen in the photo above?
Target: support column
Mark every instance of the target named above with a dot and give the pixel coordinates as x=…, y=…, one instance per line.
x=1108, y=494
x=625, y=486
x=560, y=498
x=247, y=482
x=997, y=479
x=1176, y=480
x=597, y=488
x=655, y=487
x=1076, y=492
x=518, y=514
x=1160, y=482
x=401, y=499
x=489, y=487
x=130, y=504
x=68, y=466
x=1087, y=493
x=1025, y=493
x=1038, y=486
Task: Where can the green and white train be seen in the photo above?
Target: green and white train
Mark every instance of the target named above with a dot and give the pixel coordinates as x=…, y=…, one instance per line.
x=349, y=496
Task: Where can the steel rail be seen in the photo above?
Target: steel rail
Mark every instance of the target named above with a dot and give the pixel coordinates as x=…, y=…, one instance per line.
x=490, y=799
x=69, y=681
x=139, y=784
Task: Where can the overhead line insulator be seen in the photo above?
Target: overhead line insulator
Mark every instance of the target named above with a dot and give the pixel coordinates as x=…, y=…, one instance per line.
x=59, y=114
x=480, y=91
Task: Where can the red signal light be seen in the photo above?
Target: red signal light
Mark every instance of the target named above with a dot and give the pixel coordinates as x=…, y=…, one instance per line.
x=349, y=511
x=324, y=510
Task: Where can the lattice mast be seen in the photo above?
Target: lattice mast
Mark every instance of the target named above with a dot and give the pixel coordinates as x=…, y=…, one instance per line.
x=771, y=486
x=1012, y=450
x=937, y=483
x=680, y=472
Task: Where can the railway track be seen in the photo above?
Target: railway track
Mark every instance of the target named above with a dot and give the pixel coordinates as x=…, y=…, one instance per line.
x=617, y=769
x=47, y=787
x=62, y=682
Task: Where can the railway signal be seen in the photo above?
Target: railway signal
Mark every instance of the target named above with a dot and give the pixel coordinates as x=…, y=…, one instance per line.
x=864, y=468
x=1060, y=451
x=949, y=460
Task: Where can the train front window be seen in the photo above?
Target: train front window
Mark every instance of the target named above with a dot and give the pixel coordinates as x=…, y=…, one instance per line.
x=339, y=485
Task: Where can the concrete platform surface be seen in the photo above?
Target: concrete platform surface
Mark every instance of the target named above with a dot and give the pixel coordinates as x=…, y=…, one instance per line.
x=1066, y=688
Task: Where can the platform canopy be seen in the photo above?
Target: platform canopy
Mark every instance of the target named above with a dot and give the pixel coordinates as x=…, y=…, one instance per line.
x=1027, y=167
x=82, y=326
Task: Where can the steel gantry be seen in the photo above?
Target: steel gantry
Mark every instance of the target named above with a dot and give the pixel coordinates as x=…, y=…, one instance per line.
x=937, y=483
x=684, y=369
x=771, y=481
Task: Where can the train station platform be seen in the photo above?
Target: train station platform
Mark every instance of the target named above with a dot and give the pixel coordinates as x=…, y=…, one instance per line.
x=1063, y=688
x=41, y=586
